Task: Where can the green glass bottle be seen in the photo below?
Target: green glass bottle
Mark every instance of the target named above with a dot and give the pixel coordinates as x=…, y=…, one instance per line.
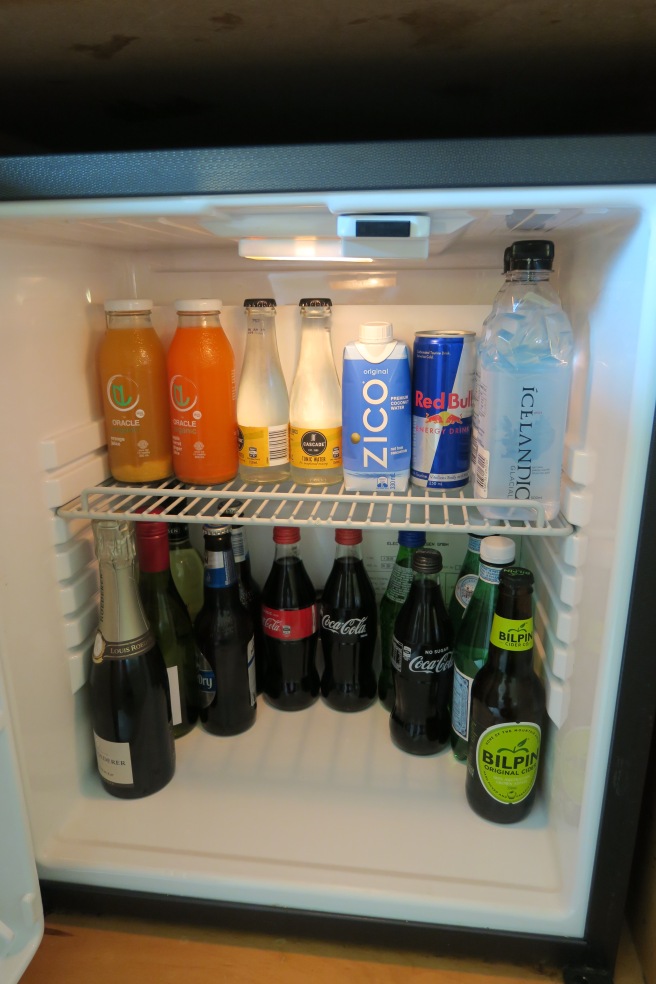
x=186, y=567
x=473, y=637
x=169, y=620
x=398, y=589
x=466, y=582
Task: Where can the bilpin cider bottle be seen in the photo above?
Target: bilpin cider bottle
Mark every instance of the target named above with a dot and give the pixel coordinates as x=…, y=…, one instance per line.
x=128, y=684
x=262, y=400
x=507, y=710
x=202, y=391
x=132, y=368
x=315, y=406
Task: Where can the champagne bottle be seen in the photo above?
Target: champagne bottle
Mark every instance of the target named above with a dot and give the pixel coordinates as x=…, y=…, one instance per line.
x=130, y=705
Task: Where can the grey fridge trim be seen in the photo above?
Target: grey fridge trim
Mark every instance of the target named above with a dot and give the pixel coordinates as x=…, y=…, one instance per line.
x=516, y=162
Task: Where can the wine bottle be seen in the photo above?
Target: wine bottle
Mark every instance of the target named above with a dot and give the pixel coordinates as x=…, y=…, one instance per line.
x=130, y=704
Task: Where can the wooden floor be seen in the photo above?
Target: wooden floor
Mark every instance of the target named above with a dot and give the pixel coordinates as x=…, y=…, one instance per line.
x=109, y=951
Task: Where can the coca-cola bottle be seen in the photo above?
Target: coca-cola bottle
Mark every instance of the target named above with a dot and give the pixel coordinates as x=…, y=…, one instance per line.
x=348, y=628
x=422, y=662
x=289, y=621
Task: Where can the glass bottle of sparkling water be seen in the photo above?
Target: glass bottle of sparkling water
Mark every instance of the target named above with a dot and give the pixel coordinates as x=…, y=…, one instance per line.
x=473, y=637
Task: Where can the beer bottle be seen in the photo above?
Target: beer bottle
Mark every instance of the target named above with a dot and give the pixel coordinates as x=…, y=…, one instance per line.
x=225, y=656
x=507, y=710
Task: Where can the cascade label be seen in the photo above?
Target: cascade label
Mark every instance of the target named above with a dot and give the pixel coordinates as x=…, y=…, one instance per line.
x=507, y=757
x=316, y=449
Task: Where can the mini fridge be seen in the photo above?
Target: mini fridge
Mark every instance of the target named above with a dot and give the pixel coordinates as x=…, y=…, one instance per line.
x=314, y=822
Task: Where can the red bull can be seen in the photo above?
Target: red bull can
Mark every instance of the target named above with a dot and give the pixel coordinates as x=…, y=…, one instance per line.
x=443, y=367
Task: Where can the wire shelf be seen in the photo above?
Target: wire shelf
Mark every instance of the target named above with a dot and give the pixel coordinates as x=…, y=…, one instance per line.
x=288, y=504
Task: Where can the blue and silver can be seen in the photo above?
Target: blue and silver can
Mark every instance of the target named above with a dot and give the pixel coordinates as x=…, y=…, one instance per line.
x=442, y=398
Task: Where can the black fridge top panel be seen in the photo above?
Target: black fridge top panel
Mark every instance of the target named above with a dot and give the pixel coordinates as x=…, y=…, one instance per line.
x=519, y=162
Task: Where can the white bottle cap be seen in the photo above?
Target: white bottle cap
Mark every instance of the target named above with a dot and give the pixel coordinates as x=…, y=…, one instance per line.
x=497, y=550
x=207, y=304
x=128, y=305
x=376, y=332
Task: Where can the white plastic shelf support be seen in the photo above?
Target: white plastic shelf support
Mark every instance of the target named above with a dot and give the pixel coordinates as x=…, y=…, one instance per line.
x=288, y=504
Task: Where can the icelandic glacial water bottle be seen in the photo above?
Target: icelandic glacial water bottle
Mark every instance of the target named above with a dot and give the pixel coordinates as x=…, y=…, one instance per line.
x=522, y=390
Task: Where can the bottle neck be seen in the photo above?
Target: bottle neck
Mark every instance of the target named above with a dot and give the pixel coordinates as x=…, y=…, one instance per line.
x=511, y=635
x=404, y=555
x=153, y=554
x=220, y=572
x=315, y=339
x=425, y=581
x=474, y=544
x=239, y=545
x=287, y=551
x=122, y=617
x=199, y=319
x=529, y=276
x=345, y=551
x=128, y=320
x=261, y=328
x=183, y=543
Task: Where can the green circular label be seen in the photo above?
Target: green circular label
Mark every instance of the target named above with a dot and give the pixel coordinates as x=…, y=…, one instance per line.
x=507, y=758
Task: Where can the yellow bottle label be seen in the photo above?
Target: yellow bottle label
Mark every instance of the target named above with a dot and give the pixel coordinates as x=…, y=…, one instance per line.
x=316, y=449
x=260, y=447
x=512, y=634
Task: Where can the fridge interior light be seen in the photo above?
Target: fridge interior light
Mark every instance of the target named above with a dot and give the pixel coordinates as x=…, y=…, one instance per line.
x=303, y=250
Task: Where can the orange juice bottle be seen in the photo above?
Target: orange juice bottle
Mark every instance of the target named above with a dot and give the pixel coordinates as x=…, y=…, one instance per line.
x=202, y=396
x=134, y=391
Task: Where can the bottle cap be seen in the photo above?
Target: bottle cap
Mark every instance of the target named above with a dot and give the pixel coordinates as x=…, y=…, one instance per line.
x=412, y=538
x=177, y=532
x=148, y=531
x=286, y=534
x=497, y=550
x=427, y=561
x=259, y=302
x=128, y=306
x=234, y=509
x=516, y=577
x=376, y=332
x=209, y=530
x=315, y=302
x=348, y=536
x=532, y=254
x=210, y=305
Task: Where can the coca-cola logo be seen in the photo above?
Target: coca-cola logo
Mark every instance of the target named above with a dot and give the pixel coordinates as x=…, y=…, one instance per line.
x=349, y=627
x=431, y=662
x=275, y=626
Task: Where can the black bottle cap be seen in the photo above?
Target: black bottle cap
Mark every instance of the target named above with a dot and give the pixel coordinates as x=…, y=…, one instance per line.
x=427, y=561
x=259, y=302
x=234, y=509
x=315, y=302
x=177, y=532
x=516, y=577
x=532, y=254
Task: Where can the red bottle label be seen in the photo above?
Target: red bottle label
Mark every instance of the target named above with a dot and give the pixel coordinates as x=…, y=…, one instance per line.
x=289, y=625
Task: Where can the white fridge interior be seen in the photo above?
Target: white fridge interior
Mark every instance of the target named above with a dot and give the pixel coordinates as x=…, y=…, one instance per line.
x=318, y=810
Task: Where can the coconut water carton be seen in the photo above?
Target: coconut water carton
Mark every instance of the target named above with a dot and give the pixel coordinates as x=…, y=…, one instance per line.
x=376, y=411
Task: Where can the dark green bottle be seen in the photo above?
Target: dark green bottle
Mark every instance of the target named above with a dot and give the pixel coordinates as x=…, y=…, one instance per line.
x=398, y=589
x=473, y=636
x=170, y=621
x=466, y=582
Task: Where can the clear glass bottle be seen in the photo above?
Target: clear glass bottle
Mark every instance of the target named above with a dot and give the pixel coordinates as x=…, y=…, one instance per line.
x=262, y=400
x=315, y=406
x=186, y=567
x=128, y=684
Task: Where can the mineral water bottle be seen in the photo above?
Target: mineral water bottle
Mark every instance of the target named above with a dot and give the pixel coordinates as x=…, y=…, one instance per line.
x=522, y=390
